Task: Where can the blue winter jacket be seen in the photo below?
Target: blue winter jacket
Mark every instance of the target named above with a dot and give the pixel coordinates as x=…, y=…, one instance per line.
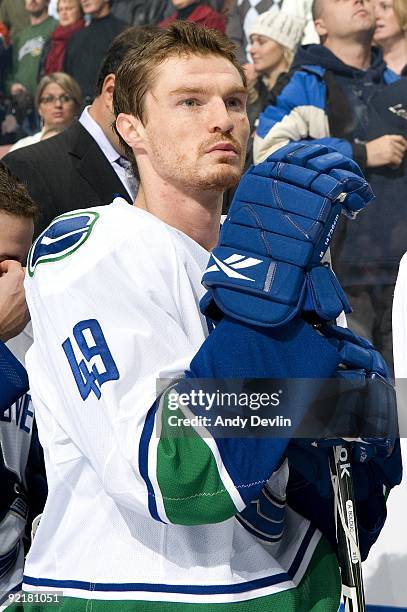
x=324, y=99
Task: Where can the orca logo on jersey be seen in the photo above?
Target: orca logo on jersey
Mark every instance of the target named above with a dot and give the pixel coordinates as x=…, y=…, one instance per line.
x=233, y=263
x=61, y=238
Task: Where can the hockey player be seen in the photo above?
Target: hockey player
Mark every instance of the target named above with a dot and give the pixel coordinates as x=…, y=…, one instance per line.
x=141, y=515
x=17, y=212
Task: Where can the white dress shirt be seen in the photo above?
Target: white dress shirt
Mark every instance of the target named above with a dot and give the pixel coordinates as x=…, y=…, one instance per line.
x=94, y=129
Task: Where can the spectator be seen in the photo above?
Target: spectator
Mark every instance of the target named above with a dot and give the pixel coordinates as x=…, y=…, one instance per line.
x=391, y=33
x=196, y=11
x=53, y=130
x=4, y=54
x=221, y=6
x=274, y=38
x=83, y=166
x=139, y=12
x=14, y=16
x=22, y=478
x=331, y=95
x=27, y=48
x=243, y=13
x=87, y=48
x=58, y=99
x=70, y=16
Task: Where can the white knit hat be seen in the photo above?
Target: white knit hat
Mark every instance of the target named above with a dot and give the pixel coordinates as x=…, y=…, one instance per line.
x=284, y=28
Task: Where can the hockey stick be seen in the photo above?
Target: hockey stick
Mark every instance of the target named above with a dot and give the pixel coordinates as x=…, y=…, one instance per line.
x=346, y=530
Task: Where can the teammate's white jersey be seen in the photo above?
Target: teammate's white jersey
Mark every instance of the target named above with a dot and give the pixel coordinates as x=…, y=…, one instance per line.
x=16, y=424
x=113, y=294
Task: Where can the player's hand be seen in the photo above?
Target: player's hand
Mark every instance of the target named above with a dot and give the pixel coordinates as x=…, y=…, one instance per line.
x=387, y=150
x=362, y=412
x=14, y=314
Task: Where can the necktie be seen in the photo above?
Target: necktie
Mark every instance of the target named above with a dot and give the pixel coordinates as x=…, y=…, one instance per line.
x=131, y=180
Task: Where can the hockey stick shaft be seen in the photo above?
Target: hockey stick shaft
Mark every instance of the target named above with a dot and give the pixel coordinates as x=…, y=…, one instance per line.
x=346, y=531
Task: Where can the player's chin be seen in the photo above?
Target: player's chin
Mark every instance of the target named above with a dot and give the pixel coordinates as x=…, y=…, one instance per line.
x=224, y=176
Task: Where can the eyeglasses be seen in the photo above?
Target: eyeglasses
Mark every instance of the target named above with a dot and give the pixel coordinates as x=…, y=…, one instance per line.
x=63, y=99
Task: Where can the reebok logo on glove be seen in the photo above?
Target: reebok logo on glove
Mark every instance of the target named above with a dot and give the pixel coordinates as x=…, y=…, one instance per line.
x=232, y=263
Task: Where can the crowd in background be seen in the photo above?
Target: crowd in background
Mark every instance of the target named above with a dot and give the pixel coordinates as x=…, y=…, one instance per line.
x=39, y=37
x=310, y=76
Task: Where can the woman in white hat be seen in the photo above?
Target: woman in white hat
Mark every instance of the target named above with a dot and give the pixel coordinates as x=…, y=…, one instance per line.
x=274, y=38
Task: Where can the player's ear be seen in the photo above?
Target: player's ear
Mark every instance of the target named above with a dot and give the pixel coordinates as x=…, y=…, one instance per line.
x=131, y=130
x=320, y=27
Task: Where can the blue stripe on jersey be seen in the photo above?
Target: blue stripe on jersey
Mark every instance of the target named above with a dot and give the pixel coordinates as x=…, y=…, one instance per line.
x=260, y=535
x=221, y=589
x=143, y=459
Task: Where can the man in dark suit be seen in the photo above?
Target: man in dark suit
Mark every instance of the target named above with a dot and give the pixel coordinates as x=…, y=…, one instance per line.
x=84, y=166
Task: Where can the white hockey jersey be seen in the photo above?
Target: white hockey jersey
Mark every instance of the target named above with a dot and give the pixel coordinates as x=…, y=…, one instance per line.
x=113, y=294
x=16, y=423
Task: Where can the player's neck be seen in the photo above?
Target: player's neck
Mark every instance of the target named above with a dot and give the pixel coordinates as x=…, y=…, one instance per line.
x=197, y=216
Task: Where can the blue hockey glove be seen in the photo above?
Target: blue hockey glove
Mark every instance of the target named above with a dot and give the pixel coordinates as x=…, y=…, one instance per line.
x=375, y=412
x=369, y=408
x=279, y=227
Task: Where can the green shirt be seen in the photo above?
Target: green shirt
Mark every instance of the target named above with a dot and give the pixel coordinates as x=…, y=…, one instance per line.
x=27, y=50
x=14, y=15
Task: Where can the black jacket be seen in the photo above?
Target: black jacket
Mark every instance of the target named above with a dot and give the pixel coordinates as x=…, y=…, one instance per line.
x=87, y=49
x=64, y=173
x=140, y=12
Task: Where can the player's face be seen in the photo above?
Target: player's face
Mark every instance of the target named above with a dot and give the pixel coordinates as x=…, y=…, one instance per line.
x=343, y=18
x=16, y=235
x=196, y=126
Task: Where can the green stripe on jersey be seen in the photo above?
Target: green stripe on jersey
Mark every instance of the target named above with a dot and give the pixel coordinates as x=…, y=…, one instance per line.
x=191, y=487
x=319, y=591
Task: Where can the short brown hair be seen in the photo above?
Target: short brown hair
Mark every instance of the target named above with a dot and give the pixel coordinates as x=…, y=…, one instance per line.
x=138, y=70
x=68, y=84
x=400, y=10
x=316, y=9
x=14, y=197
